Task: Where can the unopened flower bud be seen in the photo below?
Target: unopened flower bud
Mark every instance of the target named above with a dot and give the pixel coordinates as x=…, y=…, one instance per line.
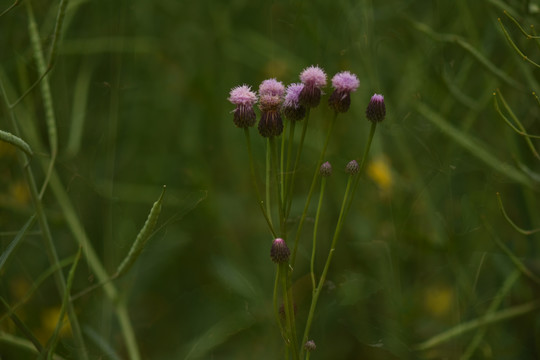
x=310, y=345
x=376, y=110
x=352, y=167
x=279, y=252
x=326, y=169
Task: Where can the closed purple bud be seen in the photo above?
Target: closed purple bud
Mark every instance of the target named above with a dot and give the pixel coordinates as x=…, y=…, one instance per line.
x=376, y=110
x=326, y=169
x=352, y=167
x=279, y=252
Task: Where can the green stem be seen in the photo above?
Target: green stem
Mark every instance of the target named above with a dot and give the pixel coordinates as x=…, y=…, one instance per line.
x=362, y=165
x=77, y=229
x=288, y=167
x=317, y=292
x=473, y=345
x=48, y=239
x=274, y=155
x=254, y=180
x=282, y=163
x=276, y=305
x=311, y=189
x=313, y=281
x=267, y=183
x=290, y=183
x=289, y=310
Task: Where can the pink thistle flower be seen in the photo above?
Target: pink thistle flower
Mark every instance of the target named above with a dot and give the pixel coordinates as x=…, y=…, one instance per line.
x=292, y=109
x=343, y=83
x=376, y=110
x=244, y=99
x=313, y=78
x=272, y=87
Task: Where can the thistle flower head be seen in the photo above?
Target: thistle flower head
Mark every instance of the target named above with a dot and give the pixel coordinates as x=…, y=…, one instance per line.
x=244, y=99
x=272, y=87
x=271, y=123
x=292, y=109
x=325, y=169
x=376, y=110
x=313, y=79
x=242, y=95
x=279, y=252
x=352, y=167
x=313, y=76
x=343, y=83
x=269, y=102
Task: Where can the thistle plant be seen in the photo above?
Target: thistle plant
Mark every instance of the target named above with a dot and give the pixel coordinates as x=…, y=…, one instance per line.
x=280, y=109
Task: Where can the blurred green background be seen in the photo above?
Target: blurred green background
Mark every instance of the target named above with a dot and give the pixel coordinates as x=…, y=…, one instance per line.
x=140, y=93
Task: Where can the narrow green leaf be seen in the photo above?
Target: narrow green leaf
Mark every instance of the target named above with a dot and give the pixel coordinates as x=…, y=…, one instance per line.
x=218, y=334
x=488, y=319
x=51, y=344
x=474, y=147
x=481, y=58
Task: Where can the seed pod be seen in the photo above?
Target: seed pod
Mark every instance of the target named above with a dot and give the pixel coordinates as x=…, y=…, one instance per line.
x=142, y=237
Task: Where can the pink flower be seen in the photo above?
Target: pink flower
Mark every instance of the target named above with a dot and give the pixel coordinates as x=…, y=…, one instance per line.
x=313, y=76
x=272, y=87
x=242, y=95
x=313, y=79
x=343, y=83
x=292, y=109
x=244, y=99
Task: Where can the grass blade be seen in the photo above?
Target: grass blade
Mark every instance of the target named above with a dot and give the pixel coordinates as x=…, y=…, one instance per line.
x=15, y=242
x=474, y=147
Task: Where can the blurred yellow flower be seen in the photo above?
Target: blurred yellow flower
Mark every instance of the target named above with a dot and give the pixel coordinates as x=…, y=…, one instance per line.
x=438, y=300
x=19, y=193
x=379, y=171
x=49, y=319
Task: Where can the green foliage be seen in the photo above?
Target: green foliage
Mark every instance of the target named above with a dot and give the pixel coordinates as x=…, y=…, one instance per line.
x=116, y=98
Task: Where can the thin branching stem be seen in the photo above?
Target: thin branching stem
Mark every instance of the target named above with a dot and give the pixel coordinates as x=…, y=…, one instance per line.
x=322, y=279
x=311, y=189
x=517, y=228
